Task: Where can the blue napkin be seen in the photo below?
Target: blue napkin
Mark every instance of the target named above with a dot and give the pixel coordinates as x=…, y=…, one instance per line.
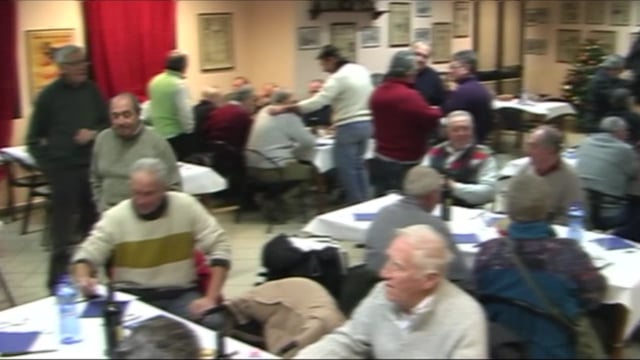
x=95, y=307
x=466, y=238
x=17, y=342
x=614, y=243
x=364, y=216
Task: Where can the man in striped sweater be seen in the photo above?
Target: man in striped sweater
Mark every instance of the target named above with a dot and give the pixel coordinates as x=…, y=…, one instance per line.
x=148, y=242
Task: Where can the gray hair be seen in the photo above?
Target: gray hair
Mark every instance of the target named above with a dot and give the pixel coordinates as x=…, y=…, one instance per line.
x=550, y=137
x=430, y=249
x=242, y=94
x=135, y=102
x=528, y=198
x=153, y=166
x=456, y=114
x=62, y=54
x=420, y=43
x=613, y=62
x=403, y=63
x=613, y=124
x=468, y=58
x=210, y=92
x=148, y=341
x=421, y=180
x=281, y=95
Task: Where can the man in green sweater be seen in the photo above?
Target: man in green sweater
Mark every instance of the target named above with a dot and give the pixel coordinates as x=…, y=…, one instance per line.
x=117, y=148
x=66, y=117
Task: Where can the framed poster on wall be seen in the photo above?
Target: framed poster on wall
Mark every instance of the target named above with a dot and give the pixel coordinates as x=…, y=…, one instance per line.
x=423, y=8
x=620, y=12
x=215, y=37
x=567, y=45
x=569, y=12
x=343, y=36
x=441, y=36
x=309, y=38
x=535, y=46
x=399, y=24
x=595, y=12
x=461, y=19
x=370, y=37
x=606, y=39
x=422, y=34
x=41, y=46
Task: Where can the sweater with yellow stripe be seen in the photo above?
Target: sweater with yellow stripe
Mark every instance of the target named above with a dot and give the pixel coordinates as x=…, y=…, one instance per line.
x=156, y=253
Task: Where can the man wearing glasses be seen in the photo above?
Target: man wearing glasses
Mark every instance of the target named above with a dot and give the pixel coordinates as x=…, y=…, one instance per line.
x=66, y=117
x=428, y=81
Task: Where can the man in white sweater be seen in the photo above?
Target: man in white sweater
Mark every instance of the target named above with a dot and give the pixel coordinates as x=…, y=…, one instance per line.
x=415, y=313
x=347, y=90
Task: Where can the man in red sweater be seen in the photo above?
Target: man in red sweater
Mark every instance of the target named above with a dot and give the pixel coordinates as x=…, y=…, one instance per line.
x=232, y=122
x=403, y=122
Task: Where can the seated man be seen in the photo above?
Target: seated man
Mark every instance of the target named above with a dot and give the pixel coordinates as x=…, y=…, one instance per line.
x=421, y=191
x=264, y=97
x=148, y=340
x=608, y=165
x=231, y=122
x=559, y=267
x=212, y=99
x=148, y=242
x=621, y=104
x=321, y=117
x=469, y=167
x=117, y=148
x=414, y=313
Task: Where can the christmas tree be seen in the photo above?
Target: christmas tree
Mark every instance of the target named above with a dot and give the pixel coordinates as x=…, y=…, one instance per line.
x=590, y=54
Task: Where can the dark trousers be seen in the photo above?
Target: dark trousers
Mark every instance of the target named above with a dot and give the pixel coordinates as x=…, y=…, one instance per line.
x=73, y=213
x=183, y=145
x=388, y=175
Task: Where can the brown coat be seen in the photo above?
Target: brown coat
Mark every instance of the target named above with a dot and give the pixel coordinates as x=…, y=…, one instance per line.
x=291, y=309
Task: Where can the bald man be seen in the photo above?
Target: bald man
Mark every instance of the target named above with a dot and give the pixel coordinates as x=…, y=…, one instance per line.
x=428, y=81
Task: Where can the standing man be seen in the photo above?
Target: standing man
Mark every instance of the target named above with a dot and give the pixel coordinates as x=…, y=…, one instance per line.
x=428, y=81
x=170, y=108
x=66, y=118
x=347, y=90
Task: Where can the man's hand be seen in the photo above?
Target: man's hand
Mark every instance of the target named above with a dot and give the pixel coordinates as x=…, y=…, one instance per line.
x=199, y=306
x=87, y=285
x=84, y=136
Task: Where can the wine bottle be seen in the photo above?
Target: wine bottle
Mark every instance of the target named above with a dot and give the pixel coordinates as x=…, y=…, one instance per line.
x=445, y=206
x=112, y=314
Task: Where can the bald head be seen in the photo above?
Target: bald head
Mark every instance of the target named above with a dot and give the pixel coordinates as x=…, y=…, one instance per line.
x=422, y=50
x=213, y=94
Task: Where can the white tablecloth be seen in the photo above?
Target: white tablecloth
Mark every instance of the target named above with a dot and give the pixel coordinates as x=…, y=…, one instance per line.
x=196, y=180
x=548, y=109
x=323, y=159
x=42, y=315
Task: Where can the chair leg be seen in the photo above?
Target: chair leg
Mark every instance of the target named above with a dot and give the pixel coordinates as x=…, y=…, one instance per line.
x=7, y=291
x=27, y=213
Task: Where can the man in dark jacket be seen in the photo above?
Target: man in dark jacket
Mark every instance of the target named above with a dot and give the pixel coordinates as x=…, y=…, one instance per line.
x=602, y=84
x=212, y=99
x=66, y=117
x=428, y=81
x=632, y=63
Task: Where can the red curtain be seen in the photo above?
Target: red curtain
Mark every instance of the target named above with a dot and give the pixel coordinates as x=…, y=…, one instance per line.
x=128, y=41
x=8, y=71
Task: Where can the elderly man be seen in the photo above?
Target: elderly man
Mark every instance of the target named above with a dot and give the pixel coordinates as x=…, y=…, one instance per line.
x=347, y=90
x=238, y=82
x=621, y=105
x=149, y=242
x=170, y=105
x=469, y=167
x=470, y=95
x=403, y=123
x=322, y=116
x=211, y=99
x=231, y=122
x=544, y=145
x=264, y=97
x=148, y=340
x=117, y=148
x=66, y=117
x=600, y=87
x=414, y=313
x=428, y=82
x=607, y=164
x=421, y=195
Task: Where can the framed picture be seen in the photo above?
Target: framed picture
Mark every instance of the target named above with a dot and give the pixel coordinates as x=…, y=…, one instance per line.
x=543, y=15
x=620, y=13
x=399, y=24
x=343, y=36
x=215, y=36
x=441, y=36
x=567, y=45
x=422, y=34
x=569, y=12
x=309, y=38
x=41, y=45
x=531, y=17
x=633, y=37
x=370, y=37
x=535, y=46
x=461, y=19
x=423, y=8
x=595, y=12
x=606, y=39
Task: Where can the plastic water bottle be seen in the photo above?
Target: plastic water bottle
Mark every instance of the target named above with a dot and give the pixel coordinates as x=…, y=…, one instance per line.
x=576, y=222
x=69, y=318
x=524, y=97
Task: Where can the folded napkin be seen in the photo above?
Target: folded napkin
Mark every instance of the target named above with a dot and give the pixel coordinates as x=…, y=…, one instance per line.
x=364, y=216
x=95, y=308
x=614, y=243
x=466, y=238
x=17, y=342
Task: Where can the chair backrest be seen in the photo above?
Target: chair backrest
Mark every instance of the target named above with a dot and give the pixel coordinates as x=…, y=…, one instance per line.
x=356, y=285
x=596, y=201
x=510, y=119
x=14, y=165
x=227, y=160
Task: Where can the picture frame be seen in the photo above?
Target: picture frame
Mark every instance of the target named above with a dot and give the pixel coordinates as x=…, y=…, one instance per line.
x=633, y=37
x=422, y=8
x=441, y=36
x=41, y=45
x=595, y=12
x=370, y=37
x=543, y=15
x=569, y=12
x=535, y=46
x=215, y=39
x=531, y=17
x=422, y=34
x=343, y=36
x=567, y=45
x=309, y=38
x=399, y=24
x=606, y=38
x=460, y=19
x=620, y=13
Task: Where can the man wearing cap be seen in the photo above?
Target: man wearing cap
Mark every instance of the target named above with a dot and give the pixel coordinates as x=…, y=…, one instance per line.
x=347, y=90
x=602, y=84
x=403, y=123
